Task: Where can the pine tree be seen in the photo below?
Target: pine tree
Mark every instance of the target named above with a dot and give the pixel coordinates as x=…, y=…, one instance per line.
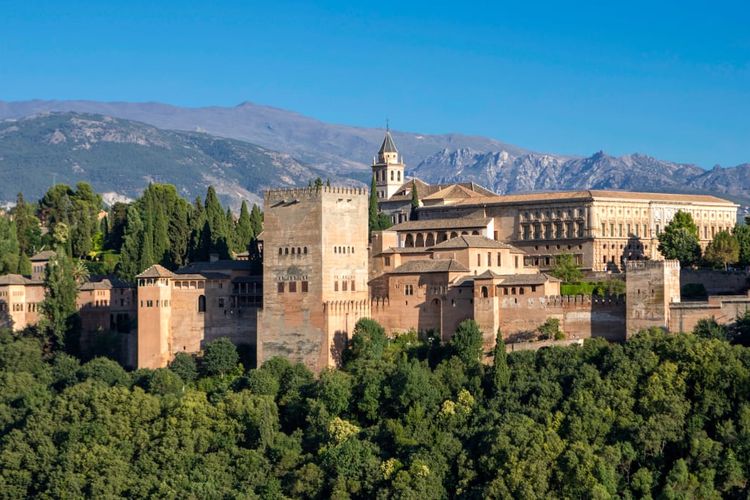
x=244, y=232
x=373, y=218
x=58, y=309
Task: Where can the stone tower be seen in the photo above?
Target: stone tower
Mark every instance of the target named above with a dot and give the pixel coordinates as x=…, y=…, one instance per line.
x=651, y=285
x=314, y=273
x=154, y=317
x=388, y=169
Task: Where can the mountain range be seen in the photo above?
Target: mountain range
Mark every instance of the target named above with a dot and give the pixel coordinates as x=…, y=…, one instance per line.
x=249, y=147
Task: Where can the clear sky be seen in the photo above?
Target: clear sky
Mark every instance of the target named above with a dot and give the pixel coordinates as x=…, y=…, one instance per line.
x=671, y=79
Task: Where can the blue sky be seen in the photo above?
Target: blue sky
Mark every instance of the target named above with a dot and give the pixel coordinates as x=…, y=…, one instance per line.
x=671, y=79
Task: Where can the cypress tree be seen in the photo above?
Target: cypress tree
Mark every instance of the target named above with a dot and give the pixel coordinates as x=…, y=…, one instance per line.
x=9, y=248
x=373, y=208
x=256, y=219
x=500, y=369
x=28, y=230
x=414, y=201
x=217, y=224
x=59, y=306
x=244, y=231
x=130, y=254
x=197, y=221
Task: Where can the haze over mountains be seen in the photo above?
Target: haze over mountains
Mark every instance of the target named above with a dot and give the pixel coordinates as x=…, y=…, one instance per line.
x=258, y=146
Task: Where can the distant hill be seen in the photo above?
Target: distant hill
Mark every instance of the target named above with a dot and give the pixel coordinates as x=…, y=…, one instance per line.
x=298, y=147
x=120, y=157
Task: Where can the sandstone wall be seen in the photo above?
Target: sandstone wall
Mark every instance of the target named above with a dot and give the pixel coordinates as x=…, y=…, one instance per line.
x=716, y=282
x=724, y=309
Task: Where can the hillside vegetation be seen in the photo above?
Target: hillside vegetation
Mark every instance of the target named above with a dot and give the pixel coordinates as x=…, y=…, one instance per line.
x=662, y=415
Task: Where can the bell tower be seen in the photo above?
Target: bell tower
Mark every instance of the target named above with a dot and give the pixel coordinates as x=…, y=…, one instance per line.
x=388, y=168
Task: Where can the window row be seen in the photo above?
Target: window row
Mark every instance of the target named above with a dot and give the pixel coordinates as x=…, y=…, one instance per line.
x=189, y=284
x=551, y=214
x=342, y=250
x=155, y=303
x=30, y=307
x=521, y=290
x=292, y=250
x=344, y=286
x=381, y=175
x=291, y=286
x=549, y=231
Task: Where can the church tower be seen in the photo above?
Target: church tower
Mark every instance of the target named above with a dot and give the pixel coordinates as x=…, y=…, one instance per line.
x=388, y=169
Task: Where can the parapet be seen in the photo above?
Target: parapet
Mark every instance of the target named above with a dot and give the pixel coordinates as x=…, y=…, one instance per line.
x=638, y=265
x=288, y=194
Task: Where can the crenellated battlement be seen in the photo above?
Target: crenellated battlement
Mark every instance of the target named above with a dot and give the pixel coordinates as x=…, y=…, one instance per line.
x=639, y=265
x=287, y=194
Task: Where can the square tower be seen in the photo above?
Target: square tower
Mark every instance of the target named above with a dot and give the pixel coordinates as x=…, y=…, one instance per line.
x=388, y=169
x=651, y=285
x=314, y=273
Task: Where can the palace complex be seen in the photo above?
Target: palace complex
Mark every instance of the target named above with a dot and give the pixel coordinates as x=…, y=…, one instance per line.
x=463, y=253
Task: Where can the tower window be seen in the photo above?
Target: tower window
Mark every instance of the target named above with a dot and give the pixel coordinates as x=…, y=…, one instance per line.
x=202, y=303
x=304, y=287
x=280, y=287
x=292, y=287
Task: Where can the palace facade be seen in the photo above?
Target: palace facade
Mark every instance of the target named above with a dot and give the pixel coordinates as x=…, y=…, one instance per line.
x=463, y=253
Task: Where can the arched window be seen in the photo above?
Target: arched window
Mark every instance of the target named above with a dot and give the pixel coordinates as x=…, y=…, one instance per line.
x=409, y=240
x=485, y=292
x=281, y=250
x=305, y=250
x=420, y=240
x=201, y=303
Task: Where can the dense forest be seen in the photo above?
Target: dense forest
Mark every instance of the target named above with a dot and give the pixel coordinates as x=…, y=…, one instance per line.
x=661, y=415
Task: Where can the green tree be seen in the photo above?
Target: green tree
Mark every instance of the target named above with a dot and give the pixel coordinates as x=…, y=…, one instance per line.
x=373, y=220
x=723, y=250
x=28, y=229
x=500, y=369
x=742, y=233
x=220, y=357
x=679, y=240
x=59, y=318
x=9, y=247
x=566, y=269
x=131, y=260
x=466, y=342
x=256, y=218
x=184, y=366
x=244, y=231
x=216, y=225
x=368, y=341
x=550, y=330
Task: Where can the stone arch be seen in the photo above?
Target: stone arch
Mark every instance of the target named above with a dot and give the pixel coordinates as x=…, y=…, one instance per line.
x=454, y=235
x=485, y=292
x=409, y=240
x=475, y=233
x=420, y=240
x=430, y=241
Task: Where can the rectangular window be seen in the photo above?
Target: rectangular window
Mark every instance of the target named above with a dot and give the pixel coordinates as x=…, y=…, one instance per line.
x=353, y=286
x=533, y=288
x=620, y=230
x=516, y=260
x=343, y=285
x=292, y=287
x=611, y=229
x=387, y=261
x=499, y=260
x=604, y=229
x=335, y=286
x=280, y=287
x=304, y=287
x=489, y=259
x=479, y=260
x=522, y=290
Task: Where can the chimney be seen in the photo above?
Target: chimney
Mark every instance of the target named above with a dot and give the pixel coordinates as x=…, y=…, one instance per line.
x=214, y=257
